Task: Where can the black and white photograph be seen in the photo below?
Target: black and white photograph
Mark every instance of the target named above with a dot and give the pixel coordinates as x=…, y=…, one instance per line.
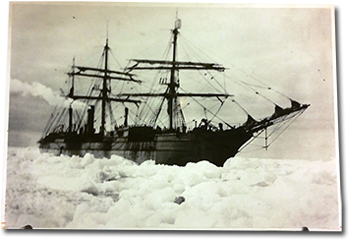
x=172, y=116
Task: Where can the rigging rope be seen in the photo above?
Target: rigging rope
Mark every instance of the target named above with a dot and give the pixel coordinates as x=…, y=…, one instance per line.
x=200, y=49
x=207, y=72
x=203, y=106
x=115, y=59
x=292, y=120
x=245, y=111
x=111, y=116
x=154, y=118
x=251, y=140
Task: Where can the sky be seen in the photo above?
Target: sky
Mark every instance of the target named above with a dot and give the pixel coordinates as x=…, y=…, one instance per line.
x=289, y=49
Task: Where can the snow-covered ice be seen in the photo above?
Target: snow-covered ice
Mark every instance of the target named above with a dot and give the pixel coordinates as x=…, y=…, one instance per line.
x=47, y=191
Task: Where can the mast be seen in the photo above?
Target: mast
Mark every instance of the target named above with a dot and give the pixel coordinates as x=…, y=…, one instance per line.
x=173, y=84
x=71, y=93
x=104, y=90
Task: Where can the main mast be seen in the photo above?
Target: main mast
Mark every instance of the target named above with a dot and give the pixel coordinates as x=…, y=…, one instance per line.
x=173, y=86
x=174, y=66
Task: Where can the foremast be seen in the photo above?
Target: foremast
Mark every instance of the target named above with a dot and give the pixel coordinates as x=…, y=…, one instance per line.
x=106, y=75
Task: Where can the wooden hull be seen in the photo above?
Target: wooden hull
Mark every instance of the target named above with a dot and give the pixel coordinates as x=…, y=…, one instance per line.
x=172, y=148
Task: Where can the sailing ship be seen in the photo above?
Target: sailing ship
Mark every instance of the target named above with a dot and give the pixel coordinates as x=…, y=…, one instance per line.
x=84, y=130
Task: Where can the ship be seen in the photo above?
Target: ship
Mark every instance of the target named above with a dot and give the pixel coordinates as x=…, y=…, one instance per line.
x=92, y=127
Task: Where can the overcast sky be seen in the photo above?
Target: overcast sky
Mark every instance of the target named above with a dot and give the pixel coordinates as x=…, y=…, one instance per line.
x=290, y=49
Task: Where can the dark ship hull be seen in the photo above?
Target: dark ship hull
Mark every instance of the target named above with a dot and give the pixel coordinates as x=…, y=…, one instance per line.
x=172, y=148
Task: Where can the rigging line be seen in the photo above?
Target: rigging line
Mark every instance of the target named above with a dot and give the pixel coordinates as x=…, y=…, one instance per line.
x=154, y=113
x=132, y=112
x=245, y=111
x=209, y=108
x=200, y=73
x=75, y=117
x=114, y=108
x=213, y=77
x=250, y=141
x=121, y=90
x=56, y=120
x=258, y=86
x=203, y=106
x=256, y=92
x=199, y=49
x=60, y=117
x=258, y=80
x=49, y=128
x=99, y=64
x=46, y=126
x=236, y=80
x=184, y=107
x=254, y=150
x=167, y=50
x=153, y=119
x=182, y=117
x=153, y=44
x=111, y=116
x=246, y=74
x=153, y=90
x=217, y=112
x=83, y=113
x=210, y=82
x=115, y=59
x=271, y=88
x=283, y=122
x=250, y=76
x=256, y=145
x=157, y=76
x=296, y=117
x=207, y=72
x=52, y=118
x=78, y=117
x=224, y=75
x=195, y=79
x=84, y=110
x=182, y=46
x=132, y=119
x=280, y=93
x=234, y=67
x=279, y=125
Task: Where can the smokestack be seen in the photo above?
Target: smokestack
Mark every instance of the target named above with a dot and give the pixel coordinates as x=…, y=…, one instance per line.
x=70, y=112
x=126, y=116
x=90, y=123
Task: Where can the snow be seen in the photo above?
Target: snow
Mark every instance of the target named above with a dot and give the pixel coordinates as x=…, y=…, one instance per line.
x=47, y=191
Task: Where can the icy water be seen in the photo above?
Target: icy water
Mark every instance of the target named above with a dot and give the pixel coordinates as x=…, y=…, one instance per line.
x=72, y=192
